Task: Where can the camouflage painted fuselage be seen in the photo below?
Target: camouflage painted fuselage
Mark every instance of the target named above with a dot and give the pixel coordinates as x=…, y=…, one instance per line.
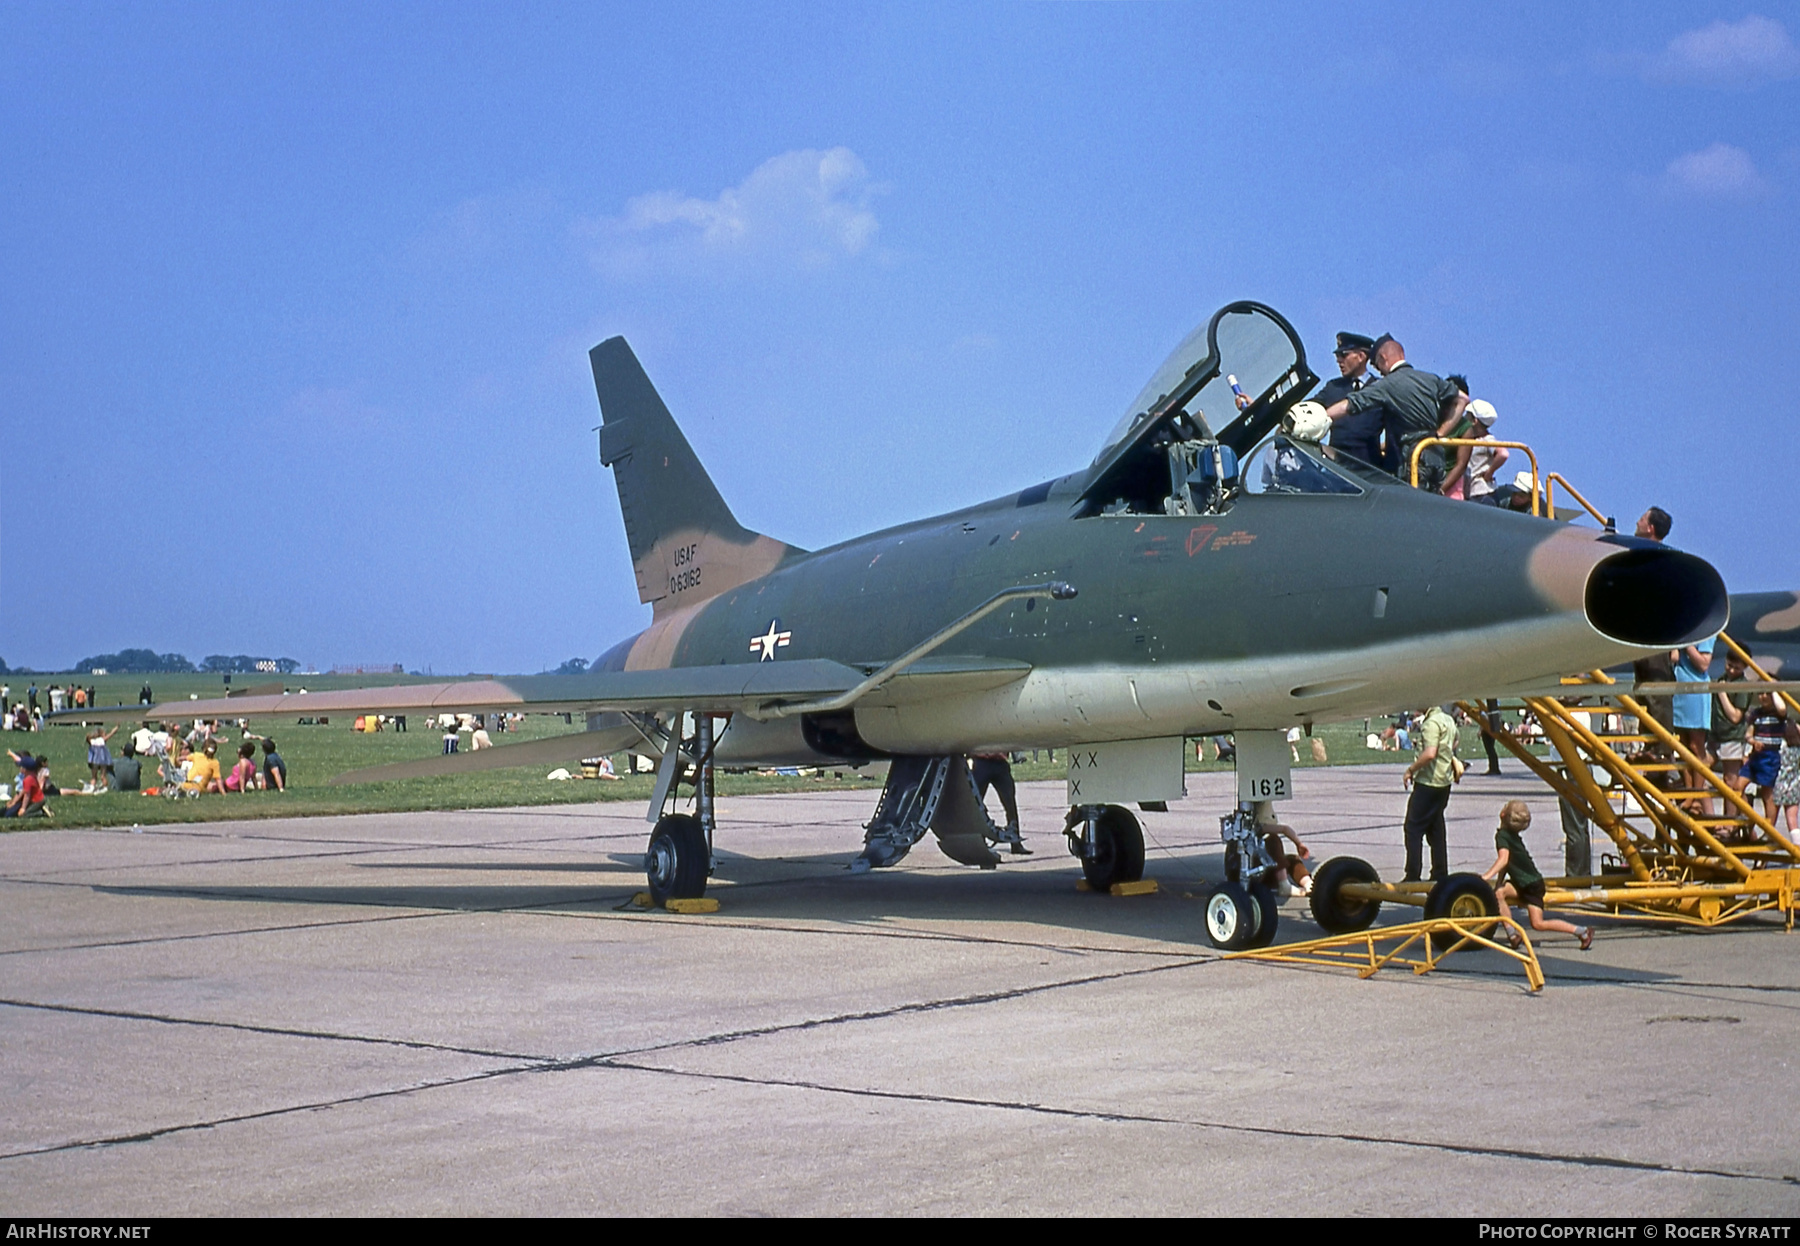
x=1283, y=609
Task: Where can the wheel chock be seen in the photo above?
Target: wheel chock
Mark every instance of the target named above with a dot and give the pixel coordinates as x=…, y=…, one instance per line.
x=1142, y=887
x=706, y=904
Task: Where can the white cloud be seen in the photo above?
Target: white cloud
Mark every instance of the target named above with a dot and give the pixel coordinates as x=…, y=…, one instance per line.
x=1744, y=53
x=802, y=209
x=1717, y=172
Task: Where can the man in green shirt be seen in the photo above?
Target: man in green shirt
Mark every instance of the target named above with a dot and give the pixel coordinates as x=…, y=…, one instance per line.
x=1430, y=776
x=1524, y=884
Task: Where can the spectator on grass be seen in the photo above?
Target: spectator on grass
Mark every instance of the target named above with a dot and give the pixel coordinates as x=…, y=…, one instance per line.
x=243, y=771
x=29, y=800
x=125, y=774
x=44, y=779
x=203, y=772
x=99, y=757
x=274, y=769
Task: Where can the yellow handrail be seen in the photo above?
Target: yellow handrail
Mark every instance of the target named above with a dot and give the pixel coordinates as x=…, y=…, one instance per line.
x=1550, y=498
x=1480, y=441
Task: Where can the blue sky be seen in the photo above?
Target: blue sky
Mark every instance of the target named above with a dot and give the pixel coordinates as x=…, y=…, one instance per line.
x=297, y=298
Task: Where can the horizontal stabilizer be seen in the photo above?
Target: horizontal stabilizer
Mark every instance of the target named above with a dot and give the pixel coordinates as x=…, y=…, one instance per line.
x=559, y=750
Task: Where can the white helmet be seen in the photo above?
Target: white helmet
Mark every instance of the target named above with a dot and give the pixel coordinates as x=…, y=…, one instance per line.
x=1307, y=421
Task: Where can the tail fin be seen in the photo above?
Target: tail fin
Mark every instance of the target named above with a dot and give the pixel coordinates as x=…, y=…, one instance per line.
x=686, y=545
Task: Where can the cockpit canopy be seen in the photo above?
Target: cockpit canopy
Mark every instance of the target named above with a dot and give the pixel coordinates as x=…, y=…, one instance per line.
x=1225, y=388
x=1246, y=343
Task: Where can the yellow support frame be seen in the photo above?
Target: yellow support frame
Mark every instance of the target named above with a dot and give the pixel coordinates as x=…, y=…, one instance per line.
x=1413, y=946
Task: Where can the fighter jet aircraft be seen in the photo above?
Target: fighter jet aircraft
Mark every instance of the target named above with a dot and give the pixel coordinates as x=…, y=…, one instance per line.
x=1207, y=572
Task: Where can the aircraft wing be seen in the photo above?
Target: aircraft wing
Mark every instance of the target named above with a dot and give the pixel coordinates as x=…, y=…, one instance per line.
x=721, y=689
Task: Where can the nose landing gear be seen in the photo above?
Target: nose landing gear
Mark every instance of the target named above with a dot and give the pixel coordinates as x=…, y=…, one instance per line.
x=1243, y=911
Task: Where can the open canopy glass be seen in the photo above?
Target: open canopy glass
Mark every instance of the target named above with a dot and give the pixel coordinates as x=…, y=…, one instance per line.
x=1231, y=379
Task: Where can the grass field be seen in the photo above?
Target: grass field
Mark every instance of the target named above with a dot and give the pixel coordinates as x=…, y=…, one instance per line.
x=315, y=753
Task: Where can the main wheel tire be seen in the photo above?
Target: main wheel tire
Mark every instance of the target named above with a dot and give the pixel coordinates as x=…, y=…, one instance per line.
x=1461, y=896
x=1336, y=913
x=1268, y=912
x=1119, y=850
x=676, y=861
x=1231, y=917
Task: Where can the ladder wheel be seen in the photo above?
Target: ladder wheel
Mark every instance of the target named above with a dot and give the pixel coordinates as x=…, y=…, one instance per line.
x=1335, y=913
x=1461, y=896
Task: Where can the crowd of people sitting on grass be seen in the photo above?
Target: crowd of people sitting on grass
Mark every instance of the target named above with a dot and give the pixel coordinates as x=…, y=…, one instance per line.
x=185, y=764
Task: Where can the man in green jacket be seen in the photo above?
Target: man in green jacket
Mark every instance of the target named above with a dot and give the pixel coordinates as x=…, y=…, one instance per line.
x=1414, y=405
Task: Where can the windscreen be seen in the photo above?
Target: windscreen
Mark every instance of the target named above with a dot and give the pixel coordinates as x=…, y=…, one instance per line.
x=1290, y=467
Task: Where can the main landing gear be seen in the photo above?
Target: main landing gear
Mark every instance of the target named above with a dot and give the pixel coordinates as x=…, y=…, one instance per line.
x=679, y=859
x=1109, y=842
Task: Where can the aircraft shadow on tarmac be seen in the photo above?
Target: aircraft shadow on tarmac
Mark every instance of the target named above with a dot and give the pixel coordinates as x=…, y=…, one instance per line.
x=816, y=889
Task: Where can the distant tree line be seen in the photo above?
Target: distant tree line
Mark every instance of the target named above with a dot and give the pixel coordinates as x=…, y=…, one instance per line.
x=149, y=662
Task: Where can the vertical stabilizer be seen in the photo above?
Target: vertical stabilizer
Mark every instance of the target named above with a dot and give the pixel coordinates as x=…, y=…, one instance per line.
x=685, y=543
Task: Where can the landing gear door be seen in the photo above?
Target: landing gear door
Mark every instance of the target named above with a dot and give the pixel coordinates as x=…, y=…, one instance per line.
x=1264, y=766
x=1122, y=771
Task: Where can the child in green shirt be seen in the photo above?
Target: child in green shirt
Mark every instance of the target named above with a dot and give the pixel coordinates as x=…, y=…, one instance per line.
x=1524, y=882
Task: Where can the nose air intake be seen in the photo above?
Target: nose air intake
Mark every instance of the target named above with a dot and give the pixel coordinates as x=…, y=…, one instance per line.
x=1660, y=598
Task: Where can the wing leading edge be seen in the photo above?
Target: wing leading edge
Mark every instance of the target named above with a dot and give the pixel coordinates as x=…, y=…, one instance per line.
x=720, y=689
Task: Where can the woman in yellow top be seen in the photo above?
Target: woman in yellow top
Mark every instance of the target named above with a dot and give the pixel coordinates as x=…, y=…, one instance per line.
x=203, y=771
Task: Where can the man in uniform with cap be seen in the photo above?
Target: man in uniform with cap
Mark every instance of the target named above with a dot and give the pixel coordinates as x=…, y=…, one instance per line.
x=1357, y=435
x=1413, y=405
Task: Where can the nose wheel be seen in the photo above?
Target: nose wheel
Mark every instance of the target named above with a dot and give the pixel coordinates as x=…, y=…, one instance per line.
x=1239, y=917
